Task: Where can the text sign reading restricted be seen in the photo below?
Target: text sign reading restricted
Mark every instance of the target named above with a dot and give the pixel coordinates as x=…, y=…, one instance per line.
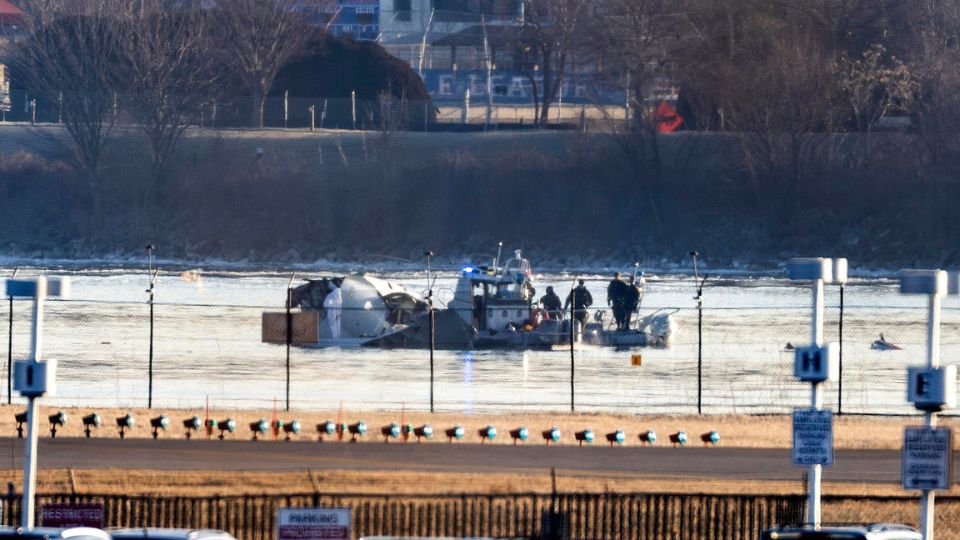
x=64, y=515
x=813, y=437
x=927, y=458
x=313, y=523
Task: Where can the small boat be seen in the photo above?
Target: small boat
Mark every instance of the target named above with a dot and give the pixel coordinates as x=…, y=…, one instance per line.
x=884, y=345
x=495, y=307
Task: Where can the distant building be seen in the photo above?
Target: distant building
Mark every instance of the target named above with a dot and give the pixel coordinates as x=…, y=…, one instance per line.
x=356, y=19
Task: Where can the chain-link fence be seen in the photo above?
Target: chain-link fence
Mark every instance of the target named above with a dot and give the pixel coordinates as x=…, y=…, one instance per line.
x=208, y=344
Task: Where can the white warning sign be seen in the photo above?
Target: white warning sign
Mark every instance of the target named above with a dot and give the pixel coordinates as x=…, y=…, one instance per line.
x=813, y=437
x=927, y=458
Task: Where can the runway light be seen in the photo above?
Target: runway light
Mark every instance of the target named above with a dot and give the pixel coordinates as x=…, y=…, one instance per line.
x=90, y=421
x=291, y=428
x=390, y=430
x=617, y=437
x=710, y=437
x=260, y=427
x=519, y=434
x=455, y=433
x=158, y=423
x=551, y=435
x=192, y=424
x=277, y=427
x=326, y=429
x=341, y=430
x=648, y=437
x=210, y=424
x=585, y=436
x=21, y=420
x=679, y=438
x=358, y=429
x=124, y=423
x=488, y=433
x=423, y=432
x=226, y=425
x=58, y=419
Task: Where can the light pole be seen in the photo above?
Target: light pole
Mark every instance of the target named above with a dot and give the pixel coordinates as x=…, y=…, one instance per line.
x=699, y=299
x=33, y=378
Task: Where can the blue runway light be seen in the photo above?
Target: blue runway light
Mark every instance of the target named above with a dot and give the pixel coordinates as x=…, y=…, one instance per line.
x=227, y=425
x=326, y=428
x=291, y=428
x=358, y=429
x=455, y=433
x=259, y=427
x=488, y=433
x=519, y=434
x=679, y=438
x=710, y=437
x=648, y=437
x=423, y=432
x=467, y=269
x=617, y=437
x=551, y=435
x=585, y=436
x=390, y=430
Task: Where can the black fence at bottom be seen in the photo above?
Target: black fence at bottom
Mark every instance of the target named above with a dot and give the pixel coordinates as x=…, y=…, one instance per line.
x=585, y=515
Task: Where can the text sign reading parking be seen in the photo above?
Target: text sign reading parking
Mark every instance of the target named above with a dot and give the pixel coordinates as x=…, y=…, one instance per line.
x=927, y=458
x=71, y=515
x=313, y=523
x=813, y=437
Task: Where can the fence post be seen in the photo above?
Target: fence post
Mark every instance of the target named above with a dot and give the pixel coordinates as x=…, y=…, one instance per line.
x=573, y=302
x=10, y=354
x=150, y=249
x=289, y=341
x=429, y=255
x=313, y=118
x=840, y=375
x=353, y=107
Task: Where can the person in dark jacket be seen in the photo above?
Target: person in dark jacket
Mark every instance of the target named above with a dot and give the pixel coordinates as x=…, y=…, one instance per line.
x=580, y=298
x=631, y=301
x=552, y=305
x=616, y=296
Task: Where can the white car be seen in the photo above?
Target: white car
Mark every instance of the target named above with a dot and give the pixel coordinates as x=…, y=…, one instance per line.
x=876, y=531
x=160, y=533
x=54, y=533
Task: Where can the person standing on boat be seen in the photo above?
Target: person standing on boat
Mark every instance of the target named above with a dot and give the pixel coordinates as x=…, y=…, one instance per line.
x=631, y=301
x=581, y=299
x=616, y=296
x=552, y=305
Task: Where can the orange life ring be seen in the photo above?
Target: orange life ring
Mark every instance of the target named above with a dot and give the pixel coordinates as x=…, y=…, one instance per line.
x=538, y=316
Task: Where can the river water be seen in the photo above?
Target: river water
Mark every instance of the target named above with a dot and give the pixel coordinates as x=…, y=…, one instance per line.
x=208, y=348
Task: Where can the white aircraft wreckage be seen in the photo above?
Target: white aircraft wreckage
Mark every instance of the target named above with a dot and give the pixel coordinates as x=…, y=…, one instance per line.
x=492, y=307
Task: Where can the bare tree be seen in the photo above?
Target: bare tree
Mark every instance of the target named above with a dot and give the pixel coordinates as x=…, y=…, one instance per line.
x=549, y=40
x=70, y=59
x=171, y=73
x=259, y=38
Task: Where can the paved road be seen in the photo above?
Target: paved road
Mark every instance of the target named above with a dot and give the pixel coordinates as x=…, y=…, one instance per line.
x=659, y=461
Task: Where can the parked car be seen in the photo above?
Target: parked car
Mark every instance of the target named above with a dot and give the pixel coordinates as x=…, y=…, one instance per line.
x=160, y=533
x=876, y=531
x=54, y=533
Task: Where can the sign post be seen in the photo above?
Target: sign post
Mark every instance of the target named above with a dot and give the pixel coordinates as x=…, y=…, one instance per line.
x=927, y=451
x=813, y=428
x=34, y=378
x=313, y=524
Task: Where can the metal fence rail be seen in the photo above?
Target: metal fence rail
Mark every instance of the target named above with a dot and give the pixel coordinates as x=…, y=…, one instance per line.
x=585, y=515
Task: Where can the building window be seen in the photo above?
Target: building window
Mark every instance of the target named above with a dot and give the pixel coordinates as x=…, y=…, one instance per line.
x=403, y=9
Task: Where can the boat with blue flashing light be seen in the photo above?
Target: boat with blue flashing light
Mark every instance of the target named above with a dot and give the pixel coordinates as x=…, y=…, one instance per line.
x=494, y=306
